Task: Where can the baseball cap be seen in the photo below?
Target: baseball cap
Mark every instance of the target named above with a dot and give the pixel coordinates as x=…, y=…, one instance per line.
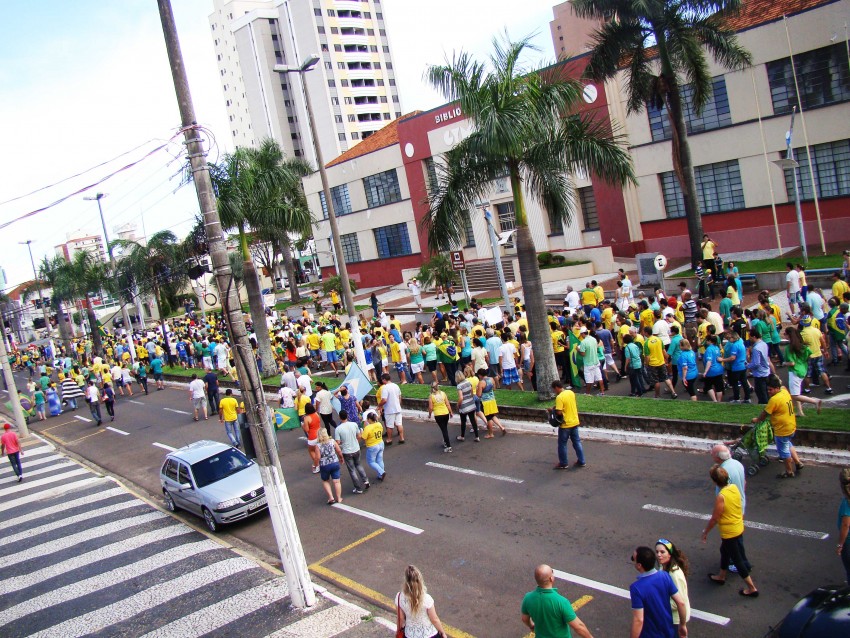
x=7, y=426
x=582, y=330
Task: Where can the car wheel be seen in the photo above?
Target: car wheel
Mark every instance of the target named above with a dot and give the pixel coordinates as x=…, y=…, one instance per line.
x=170, y=505
x=209, y=519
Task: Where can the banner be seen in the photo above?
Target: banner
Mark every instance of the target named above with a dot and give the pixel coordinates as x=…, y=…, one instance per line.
x=575, y=361
x=358, y=385
x=286, y=419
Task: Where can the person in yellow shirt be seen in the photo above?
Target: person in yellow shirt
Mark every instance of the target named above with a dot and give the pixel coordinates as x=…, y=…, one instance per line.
x=301, y=400
x=335, y=300
x=228, y=413
x=372, y=436
x=597, y=290
x=607, y=315
x=656, y=362
x=565, y=416
x=815, y=340
x=839, y=286
x=588, y=298
x=783, y=420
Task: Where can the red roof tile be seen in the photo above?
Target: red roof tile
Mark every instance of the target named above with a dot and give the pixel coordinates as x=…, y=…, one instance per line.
x=382, y=138
x=756, y=12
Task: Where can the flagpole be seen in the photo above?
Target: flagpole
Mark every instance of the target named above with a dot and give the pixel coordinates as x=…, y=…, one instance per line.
x=766, y=163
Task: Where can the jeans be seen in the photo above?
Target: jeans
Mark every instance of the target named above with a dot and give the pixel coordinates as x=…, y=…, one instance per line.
x=72, y=403
x=94, y=406
x=845, y=558
x=737, y=379
x=635, y=380
x=110, y=408
x=232, y=429
x=443, y=421
x=143, y=381
x=565, y=435
x=836, y=348
x=375, y=458
x=212, y=399
x=760, y=384
x=15, y=461
x=355, y=469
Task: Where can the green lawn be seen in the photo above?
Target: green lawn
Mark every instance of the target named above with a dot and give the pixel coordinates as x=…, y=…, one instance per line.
x=777, y=264
x=564, y=264
x=829, y=419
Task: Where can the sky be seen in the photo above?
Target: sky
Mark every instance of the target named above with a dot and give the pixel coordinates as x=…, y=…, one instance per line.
x=86, y=85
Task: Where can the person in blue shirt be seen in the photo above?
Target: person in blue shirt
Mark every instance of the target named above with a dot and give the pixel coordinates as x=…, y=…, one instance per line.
x=674, y=350
x=650, y=595
x=156, y=368
x=688, y=368
x=712, y=370
x=735, y=358
x=760, y=365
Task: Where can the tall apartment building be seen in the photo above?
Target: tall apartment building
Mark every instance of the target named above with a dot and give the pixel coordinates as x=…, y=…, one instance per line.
x=80, y=241
x=571, y=34
x=352, y=89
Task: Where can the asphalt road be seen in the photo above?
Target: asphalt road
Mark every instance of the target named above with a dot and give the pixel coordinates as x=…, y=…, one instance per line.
x=481, y=536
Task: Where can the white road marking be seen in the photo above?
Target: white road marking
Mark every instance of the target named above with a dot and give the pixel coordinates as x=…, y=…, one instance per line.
x=136, y=402
x=225, y=612
x=27, y=462
x=90, y=558
x=52, y=493
x=804, y=533
x=29, y=452
x=71, y=520
x=177, y=411
x=381, y=519
x=20, y=487
x=45, y=549
x=463, y=470
x=624, y=593
x=328, y=622
x=117, y=431
x=82, y=418
x=107, y=579
x=146, y=599
x=42, y=470
x=165, y=447
x=61, y=507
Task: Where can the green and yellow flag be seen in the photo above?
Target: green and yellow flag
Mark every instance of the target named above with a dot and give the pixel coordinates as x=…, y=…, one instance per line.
x=286, y=419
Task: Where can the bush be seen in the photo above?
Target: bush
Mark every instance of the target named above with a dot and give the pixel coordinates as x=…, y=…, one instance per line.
x=558, y=259
x=544, y=258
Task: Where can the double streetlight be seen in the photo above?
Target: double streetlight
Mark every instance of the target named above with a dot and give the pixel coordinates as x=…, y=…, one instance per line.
x=348, y=298
x=47, y=327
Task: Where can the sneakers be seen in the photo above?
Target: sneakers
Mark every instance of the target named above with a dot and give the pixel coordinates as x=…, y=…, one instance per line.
x=828, y=390
x=560, y=467
x=446, y=448
x=315, y=469
x=382, y=476
x=579, y=465
x=20, y=478
x=367, y=486
x=356, y=490
x=675, y=396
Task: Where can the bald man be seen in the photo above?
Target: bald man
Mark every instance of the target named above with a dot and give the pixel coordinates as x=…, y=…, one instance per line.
x=547, y=613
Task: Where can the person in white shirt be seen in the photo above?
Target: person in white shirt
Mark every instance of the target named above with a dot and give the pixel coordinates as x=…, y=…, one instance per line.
x=286, y=397
x=348, y=435
x=572, y=299
x=305, y=383
x=93, y=399
x=415, y=291
x=792, y=286
x=117, y=378
x=507, y=361
x=661, y=329
x=221, y=355
x=198, y=396
x=288, y=379
x=391, y=406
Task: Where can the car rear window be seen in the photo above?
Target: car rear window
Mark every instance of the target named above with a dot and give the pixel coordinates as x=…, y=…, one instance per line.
x=219, y=466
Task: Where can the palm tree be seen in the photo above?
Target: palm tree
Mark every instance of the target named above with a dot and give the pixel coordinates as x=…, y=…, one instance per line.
x=260, y=190
x=81, y=277
x=53, y=273
x=525, y=123
x=437, y=270
x=677, y=33
x=158, y=266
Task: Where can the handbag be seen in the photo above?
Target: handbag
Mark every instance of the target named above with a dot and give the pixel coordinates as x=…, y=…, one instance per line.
x=555, y=420
x=399, y=632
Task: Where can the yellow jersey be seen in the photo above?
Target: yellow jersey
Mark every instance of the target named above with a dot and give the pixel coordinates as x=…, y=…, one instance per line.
x=565, y=403
x=731, y=523
x=781, y=411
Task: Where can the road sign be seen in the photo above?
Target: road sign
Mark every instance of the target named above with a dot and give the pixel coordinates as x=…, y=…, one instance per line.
x=457, y=260
x=660, y=262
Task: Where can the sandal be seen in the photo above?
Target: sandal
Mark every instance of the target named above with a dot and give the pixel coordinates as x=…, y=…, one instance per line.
x=489, y=436
x=504, y=431
x=754, y=593
x=786, y=475
x=716, y=581
x=331, y=502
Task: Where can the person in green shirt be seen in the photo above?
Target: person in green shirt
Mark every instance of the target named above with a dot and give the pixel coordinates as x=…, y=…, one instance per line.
x=547, y=613
x=588, y=348
x=797, y=355
x=40, y=403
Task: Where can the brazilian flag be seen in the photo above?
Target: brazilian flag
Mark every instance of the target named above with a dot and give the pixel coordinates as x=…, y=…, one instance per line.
x=100, y=327
x=286, y=419
x=575, y=361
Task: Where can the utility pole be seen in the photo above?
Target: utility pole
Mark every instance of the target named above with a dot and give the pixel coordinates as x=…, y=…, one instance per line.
x=28, y=243
x=336, y=242
x=128, y=327
x=789, y=162
x=9, y=378
x=257, y=412
x=497, y=258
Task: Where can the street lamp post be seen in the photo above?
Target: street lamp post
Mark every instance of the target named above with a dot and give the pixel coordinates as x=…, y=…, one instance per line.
x=348, y=298
x=790, y=162
x=497, y=258
x=28, y=243
x=128, y=327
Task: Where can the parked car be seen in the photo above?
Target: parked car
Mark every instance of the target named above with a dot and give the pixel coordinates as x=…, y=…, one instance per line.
x=823, y=613
x=213, y=480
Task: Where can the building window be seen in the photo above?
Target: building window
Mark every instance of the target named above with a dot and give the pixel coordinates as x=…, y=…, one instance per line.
x=386, y=116
x=352, y=118
x=382, y=188
x=370, y=32
x=386, y=49
x=344, y=82
x=356, y=136
x=334, y=30
x=823, y=76
x=339, y=197
x=832, y=171
x=317, y=12
x=348, y=100
x=338, y=48
x=718, y=187
x=587, y=201
x=350, y=248
x=331, y=13
x=340, y=65
x=341, y=137
x=467, y=229
x=430, y=168
x=334, y=101
x=383, y=99
x=331, y=83
x=392, y=241
x=338, y=119
x=373, y=48
x=507, y=220
x=329, y=66
x=715, y=113
x=320, y=30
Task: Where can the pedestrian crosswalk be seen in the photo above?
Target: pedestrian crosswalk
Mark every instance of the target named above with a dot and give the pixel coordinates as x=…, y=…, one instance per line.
x=82, y=556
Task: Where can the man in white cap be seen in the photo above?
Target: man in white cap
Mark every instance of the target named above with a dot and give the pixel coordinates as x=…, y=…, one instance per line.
x=416, y=292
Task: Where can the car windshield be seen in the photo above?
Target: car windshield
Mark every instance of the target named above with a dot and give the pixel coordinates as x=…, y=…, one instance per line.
x=219, y=466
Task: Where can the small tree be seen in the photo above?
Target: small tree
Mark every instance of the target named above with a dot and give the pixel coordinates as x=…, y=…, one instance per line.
x=436, y=271
x=335, y=283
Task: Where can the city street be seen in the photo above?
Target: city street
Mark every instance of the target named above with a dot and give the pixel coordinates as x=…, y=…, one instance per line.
x=479, y=520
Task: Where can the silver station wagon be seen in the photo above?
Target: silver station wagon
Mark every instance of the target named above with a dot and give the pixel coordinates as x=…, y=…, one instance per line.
x=213, y=480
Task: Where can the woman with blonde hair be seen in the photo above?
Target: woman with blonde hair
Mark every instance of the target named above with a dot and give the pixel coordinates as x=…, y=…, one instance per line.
x=416, y=615
x=439, y=406
x=330, y=458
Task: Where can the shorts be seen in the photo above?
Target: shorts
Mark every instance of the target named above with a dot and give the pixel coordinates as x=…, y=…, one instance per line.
x=332, y=357
x=329, y=472
x=609, y=359
x=119, y=383
x=416, y=368
x=432, y=365
x=510, y=376
x=795, y=384
x=184, y=357
x=391, y=420
x=157, y=376
x=199, y=404
x=493, y=370
x=793, y=297
x=323, y=355
x=313, y=442
x=526, y=365
x=714, y=383
x=691, y=386
x=657, y=374
x=816, y=367
x=592, y=374
x=400, y=367
x=314, y=354
x=783, y=446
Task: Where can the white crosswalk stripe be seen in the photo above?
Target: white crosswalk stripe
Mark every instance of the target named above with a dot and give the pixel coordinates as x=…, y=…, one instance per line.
x=135, y=571
x=41, y=460
x=28, y=474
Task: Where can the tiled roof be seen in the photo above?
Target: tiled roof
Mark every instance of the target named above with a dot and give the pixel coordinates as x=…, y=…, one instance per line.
x=756, y=12
x=16, y=293
x=382, y=138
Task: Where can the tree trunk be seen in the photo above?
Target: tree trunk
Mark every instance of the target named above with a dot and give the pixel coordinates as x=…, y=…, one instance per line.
x=286, y=252
x=258, y=316
x=545, y=368
x=63, y=329
x=96, y=341
x=166, y=348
